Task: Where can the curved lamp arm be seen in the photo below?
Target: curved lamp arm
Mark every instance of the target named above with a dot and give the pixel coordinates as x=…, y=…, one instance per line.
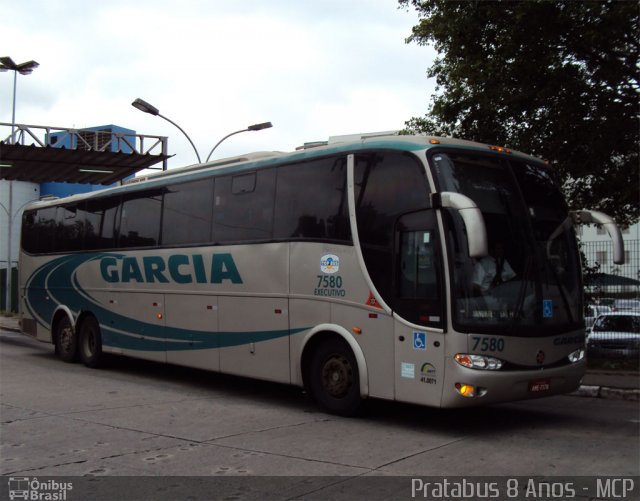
x=225, y=137
x=260, y=126
x=145, y=107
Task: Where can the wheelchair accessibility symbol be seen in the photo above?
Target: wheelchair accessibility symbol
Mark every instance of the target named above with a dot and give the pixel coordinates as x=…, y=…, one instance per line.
x=419, y=340
x=547, y=308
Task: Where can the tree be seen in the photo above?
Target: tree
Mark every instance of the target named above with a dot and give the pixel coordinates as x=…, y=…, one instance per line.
x=557, y=79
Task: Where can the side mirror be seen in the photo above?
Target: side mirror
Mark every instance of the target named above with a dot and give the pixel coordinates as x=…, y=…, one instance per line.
x=471, y=216
x=607, y=222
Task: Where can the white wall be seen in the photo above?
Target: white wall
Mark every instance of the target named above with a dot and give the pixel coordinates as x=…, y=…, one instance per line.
x=22, y=193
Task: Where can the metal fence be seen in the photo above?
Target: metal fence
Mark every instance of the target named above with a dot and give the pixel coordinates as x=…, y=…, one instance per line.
x=612, y=302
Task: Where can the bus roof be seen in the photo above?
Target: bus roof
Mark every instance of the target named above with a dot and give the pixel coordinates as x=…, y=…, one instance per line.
x=335, y=144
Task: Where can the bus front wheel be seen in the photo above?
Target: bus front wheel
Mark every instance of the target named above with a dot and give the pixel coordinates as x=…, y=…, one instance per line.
x=66, y=341
x=90, y=341
x=334, y=380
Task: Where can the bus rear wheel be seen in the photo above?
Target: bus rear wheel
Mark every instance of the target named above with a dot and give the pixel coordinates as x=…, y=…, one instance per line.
x=90, y=341
x=66, y=341
x=334, y=380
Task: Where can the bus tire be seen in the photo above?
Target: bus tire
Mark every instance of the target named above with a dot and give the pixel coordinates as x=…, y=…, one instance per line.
x=66, y=340
x=334, y=381
x=90, y=343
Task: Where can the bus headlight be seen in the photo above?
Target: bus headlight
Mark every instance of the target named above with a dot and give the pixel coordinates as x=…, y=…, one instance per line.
x=576, y=356
x=478, y=362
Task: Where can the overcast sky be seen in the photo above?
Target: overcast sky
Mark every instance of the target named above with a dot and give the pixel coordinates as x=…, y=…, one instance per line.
x=313, y=68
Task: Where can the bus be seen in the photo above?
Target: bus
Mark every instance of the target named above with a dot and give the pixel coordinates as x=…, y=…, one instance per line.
x=351, y=268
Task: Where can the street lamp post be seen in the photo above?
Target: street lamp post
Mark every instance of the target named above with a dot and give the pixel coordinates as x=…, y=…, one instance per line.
x=152, y=110
x=7, y=64
x=264, y=125
x=10, y=217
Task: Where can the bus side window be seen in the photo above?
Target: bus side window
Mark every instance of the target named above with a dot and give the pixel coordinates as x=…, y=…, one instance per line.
x=140, y=219
x=101, y=216
x=187, y=213
x=418, y=285
x=243, y=207
x=45, y=226
x=29, y=231
x=417, y=277
x=70, y=224
x=387, y=185
x=311, y=201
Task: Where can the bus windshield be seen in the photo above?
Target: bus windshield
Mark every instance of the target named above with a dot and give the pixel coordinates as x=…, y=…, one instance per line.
x=530, y=283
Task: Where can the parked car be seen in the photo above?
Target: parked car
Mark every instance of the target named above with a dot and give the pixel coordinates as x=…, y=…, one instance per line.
x=592, y=311
x=615, y=334
x=605, y=301
x=626, y=305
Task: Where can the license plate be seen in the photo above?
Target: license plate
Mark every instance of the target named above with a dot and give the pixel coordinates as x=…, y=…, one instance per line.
x=539, y=385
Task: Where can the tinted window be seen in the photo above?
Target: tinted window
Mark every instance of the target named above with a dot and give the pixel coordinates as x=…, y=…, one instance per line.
x=417, y=274
x=311, y=201
x=387, y=186
x=29, y=231
x=243, y=183
x=618, y=323
x=243, y=207
x=418, y=270
x=187, y=213
x=46, y=228
x=69, y=233
x=140, y=220
x=100, y=222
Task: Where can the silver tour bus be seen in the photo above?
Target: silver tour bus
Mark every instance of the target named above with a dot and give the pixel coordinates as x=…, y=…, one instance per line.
x=427, y=270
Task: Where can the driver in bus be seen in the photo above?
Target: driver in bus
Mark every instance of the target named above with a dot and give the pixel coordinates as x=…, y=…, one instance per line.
x=492, y=270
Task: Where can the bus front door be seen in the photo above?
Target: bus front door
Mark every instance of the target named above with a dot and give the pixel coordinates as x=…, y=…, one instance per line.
x=419, y=309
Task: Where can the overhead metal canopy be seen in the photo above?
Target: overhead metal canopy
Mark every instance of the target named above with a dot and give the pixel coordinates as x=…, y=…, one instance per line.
x=48, y=164
x=100, y=155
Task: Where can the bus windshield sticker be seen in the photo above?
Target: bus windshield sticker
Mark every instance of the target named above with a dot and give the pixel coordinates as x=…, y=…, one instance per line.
x=547, y=308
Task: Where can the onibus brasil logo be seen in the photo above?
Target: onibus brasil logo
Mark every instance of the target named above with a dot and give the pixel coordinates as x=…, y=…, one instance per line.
x=38, y=490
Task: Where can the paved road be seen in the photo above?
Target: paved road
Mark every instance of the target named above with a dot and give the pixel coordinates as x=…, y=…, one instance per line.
x=137, y=418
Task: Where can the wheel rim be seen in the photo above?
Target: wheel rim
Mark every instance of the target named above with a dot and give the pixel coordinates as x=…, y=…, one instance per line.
x=66, y=338
x=337, y=376
x=89, y=343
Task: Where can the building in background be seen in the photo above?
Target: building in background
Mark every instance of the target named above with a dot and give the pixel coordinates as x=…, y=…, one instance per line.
x=16, y=195
x=93, y=138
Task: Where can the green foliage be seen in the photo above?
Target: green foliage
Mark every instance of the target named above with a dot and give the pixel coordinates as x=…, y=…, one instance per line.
x=556, y=79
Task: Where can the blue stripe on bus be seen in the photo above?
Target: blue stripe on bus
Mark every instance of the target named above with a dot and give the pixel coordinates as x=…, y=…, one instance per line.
x=119, y=331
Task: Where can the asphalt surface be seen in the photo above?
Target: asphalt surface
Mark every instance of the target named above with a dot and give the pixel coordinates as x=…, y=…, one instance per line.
x=142, y=430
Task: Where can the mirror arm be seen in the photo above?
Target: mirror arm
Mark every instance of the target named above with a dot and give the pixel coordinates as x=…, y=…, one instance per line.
x=594, y=217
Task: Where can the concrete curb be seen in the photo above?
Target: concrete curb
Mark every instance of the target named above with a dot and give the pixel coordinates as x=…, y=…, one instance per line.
x=607, y=393
x=10, y=328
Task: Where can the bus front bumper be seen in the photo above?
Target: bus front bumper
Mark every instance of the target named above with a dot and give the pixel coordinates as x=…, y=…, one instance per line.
x=465, y=387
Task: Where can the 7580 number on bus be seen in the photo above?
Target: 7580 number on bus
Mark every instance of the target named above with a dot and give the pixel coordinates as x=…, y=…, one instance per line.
x=487, y=343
